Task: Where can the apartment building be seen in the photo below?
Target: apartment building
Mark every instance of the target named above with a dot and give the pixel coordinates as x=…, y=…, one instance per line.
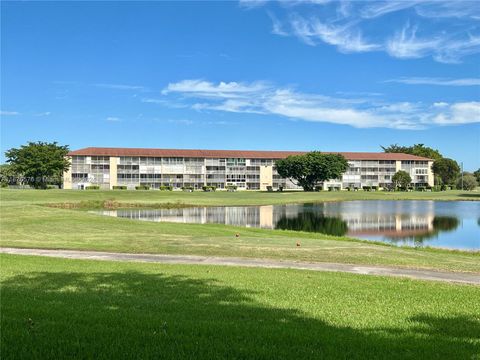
x=247, y=170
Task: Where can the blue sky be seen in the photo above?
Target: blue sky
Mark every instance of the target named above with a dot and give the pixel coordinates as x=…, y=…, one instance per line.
x=311, y=75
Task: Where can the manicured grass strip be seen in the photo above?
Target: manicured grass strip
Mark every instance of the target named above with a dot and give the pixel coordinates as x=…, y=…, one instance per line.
x=57, y=309
x=221, y=197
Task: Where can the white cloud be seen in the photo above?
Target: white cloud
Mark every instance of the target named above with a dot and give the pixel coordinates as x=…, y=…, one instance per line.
x=360, y=113
x=277, y=27
x=448, y=9
x=459, y=113
x=437, y=81
x=452, y=50
x=8, y=113
x=405, y=44
x=120, y=86
x=301, y=106
x=445, y=31
x=113, y=119
x=154, y=101
x=208, y=89
x=380, y=8
x=249, y=4
x=345, y=38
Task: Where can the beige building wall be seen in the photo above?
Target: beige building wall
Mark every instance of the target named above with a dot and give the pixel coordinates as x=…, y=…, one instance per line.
x=398, y=165
x=266, y=177
x=113, y=171
x=67, y=176
x=431, y=176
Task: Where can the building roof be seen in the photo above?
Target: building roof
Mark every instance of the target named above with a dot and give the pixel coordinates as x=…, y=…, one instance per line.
x=248, y=154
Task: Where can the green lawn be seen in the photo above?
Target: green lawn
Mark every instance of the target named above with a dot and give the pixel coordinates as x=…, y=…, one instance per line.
x=25, y=223
x=222, y=197
x=59, y=309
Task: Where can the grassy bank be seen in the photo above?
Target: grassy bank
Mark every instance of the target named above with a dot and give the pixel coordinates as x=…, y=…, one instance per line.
x=44, y=227
x=220, y=197
x=56, y=308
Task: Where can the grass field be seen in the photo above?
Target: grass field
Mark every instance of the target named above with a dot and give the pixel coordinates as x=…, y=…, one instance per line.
x=25, y=223
x=222, y=197
x=56, y=309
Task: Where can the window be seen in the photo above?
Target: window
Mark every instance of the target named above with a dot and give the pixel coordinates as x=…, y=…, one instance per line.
x=235, y=161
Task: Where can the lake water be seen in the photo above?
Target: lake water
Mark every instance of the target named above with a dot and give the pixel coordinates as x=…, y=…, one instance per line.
x=447, y=224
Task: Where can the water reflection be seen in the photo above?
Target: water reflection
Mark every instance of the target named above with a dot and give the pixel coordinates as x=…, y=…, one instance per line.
x=416, y=223
x=313, y=222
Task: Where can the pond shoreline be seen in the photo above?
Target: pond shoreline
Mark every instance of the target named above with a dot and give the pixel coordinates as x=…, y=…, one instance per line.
x=413, y=223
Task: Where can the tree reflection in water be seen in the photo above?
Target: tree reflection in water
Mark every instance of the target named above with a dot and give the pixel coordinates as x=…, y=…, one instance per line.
x=313, y=222
x=439, y=224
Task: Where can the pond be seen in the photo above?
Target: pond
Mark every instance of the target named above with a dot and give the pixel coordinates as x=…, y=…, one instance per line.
x=446, y=224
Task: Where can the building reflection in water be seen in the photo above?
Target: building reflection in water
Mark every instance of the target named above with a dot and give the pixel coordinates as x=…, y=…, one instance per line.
x=394, y=220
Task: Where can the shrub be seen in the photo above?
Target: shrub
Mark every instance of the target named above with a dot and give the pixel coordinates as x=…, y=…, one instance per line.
x=142, y=187
x=119, y=187
x=51, y=187
x=92, y=187
x=366, y=188
x=234, y=188
x=280, y=188
x=374, y=188
x=469, y=182
x=269, y=188
x=187, y=188
x=209, y=188
x=421, y=188
x=166, y=188
x=401, y=178
x=318, y=188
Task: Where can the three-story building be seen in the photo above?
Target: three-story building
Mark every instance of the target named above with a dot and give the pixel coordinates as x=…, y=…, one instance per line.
x=247, y=170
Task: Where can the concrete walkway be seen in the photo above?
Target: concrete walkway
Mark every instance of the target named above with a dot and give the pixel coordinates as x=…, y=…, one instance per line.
x=445, y=276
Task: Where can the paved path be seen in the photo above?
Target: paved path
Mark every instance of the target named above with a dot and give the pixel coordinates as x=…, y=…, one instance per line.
x=262, y=263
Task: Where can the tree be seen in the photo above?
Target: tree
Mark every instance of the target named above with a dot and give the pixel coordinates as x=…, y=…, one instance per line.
x=469, y=182
x=8, y=175
x=447, y=169
x=40, y=163
x=416, y=149
x=401, y=178
x=477, y=175
x=312, y=168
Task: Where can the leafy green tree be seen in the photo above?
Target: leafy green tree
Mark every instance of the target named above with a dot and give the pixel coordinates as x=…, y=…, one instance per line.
x=469, y=182
x=8, y=175
x=401, y=178
x=477, y=175
x=416, y=149
x=447, y=169
x=40, y=163
x=311, y=168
